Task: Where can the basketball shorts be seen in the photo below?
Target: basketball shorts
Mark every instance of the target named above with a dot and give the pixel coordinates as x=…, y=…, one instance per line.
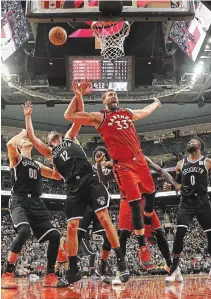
x=125, y=218
x=198, y=206
x=83, y=192
x=88, y=218
x=133, y=177
x=31, y=210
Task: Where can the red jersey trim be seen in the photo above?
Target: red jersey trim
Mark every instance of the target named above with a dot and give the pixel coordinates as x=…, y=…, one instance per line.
x=104, y=118
x=129, y=111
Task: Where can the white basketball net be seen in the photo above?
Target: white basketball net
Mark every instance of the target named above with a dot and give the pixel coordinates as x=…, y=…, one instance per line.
x=111, y=38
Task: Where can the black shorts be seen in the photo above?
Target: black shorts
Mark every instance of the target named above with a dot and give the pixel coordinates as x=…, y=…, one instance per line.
x=32, y=211
x=83, y=192
x=199, y=206
x=88, y=218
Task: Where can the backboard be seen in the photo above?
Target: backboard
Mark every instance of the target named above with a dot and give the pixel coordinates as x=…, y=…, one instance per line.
x=45, y=11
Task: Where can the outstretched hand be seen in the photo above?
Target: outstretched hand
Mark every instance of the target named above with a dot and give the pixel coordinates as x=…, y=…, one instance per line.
x=158, y=101
x=81, y=87
x=27, y=108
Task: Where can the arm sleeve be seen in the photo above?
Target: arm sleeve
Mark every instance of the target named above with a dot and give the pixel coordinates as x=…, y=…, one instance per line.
x=105, y=178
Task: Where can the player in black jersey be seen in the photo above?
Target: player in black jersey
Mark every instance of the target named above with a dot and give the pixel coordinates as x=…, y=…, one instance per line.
x=83, y=187
x=28, y=210
x=103, y=271
x=193, y=172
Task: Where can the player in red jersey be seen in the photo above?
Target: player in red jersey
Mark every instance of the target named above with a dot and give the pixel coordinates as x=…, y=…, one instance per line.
x=130, y=167
x=62, y=258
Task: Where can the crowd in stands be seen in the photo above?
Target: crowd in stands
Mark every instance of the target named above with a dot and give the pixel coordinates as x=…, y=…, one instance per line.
x=33, y=257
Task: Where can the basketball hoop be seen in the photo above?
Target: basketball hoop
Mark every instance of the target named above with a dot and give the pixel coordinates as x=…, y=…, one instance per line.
x=111, y=36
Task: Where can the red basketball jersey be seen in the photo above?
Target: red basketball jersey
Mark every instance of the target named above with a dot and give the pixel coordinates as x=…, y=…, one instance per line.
x=119, y=134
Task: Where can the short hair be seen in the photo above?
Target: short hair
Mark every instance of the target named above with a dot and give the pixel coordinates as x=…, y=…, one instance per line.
x=104, y=94
x=202, y=145
x=101, y=149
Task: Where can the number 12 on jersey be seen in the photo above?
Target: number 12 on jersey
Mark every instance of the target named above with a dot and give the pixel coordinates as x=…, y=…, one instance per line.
x=64, y=156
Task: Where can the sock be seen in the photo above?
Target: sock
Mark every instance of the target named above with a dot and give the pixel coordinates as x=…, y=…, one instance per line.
x=119, y=254
x=147, y=220
x=72, y=263
x=163, y=246
x=141, y=240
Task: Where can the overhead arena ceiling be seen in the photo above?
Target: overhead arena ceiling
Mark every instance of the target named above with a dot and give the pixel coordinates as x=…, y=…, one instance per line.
x=167, y=117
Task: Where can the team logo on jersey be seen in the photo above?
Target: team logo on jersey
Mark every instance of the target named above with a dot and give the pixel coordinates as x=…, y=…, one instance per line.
x=101, y=200
x=119, y=118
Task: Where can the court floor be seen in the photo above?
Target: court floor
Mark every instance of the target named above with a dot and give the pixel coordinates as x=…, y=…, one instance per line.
x=193, y=287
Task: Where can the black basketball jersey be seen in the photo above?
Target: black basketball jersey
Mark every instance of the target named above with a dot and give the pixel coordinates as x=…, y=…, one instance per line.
x=26, y=177
x=105, y=171
x=194, y=177
x=70, y=160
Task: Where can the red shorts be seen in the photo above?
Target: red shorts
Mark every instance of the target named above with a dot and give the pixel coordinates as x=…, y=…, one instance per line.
x=62, y=257
x=125, y=218
x=134, y=178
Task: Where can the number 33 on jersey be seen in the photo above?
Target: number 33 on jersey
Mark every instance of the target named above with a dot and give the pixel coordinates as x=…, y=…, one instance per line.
x=119, y=134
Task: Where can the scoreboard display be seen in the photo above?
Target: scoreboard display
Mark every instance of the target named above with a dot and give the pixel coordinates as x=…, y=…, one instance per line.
x=104, y=74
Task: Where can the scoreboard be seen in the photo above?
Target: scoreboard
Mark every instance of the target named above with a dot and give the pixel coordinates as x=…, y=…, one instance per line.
x=104, y=74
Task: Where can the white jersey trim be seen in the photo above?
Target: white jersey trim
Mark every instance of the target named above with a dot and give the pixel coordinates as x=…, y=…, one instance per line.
x=200, y=158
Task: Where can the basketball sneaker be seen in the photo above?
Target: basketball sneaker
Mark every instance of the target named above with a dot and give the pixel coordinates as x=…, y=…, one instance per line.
x=174, y=275
x=145, y=258
x=50, y=280
x=69, y=279
x=8, y=281
x=105, y=268
x=123, y=271
x=116, y=280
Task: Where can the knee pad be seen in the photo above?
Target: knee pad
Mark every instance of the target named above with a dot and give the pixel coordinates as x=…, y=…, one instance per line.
x=23, y=234
x=149, y=202
x=178, y=241
x=106, y=244
x=53, y=236
x=124, y=235
x=136, y=214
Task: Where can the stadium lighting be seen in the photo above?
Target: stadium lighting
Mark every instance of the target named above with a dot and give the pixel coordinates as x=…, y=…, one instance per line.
x=199, y=68
x=207, y=47
x=5, y=72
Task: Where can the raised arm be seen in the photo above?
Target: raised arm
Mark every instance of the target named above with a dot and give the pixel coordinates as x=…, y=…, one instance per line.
x=12, y=148
x=78, y=116
x=75, y=105
x=142, y=113
x=164, y=174
x=49, y=173
x=104, y=178
x=38, y=144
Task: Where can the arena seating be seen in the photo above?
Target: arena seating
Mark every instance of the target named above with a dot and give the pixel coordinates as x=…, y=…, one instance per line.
x=194, y=260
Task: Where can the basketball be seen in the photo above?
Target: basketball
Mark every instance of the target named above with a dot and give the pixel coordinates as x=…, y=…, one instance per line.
x=57, y=36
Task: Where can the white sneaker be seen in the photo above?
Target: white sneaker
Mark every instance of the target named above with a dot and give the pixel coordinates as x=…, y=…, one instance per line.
x=33, y=278
x=176, y=275
x=116, y=280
